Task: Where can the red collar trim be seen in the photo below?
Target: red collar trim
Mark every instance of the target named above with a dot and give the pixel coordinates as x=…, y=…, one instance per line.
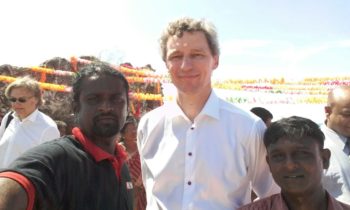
x=99, y=154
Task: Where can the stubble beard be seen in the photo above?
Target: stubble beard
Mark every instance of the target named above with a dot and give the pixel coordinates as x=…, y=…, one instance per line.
x=105, y=130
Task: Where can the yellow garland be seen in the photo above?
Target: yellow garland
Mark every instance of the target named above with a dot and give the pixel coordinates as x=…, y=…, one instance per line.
x=146, y=96
x=63, y=88
x=305, y=81
x=46, y=86
x=142, y=80
x=7, y=79
x=139, y=72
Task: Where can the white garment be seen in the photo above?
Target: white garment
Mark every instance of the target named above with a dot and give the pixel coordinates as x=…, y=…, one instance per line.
x=337, y=177
x=207, y=165
x=20, y=136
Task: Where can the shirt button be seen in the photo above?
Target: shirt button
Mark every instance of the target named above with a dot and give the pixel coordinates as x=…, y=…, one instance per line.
x=190, y=154
x=189, y=182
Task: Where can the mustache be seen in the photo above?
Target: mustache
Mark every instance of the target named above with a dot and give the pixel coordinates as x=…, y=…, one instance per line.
x=105, y=115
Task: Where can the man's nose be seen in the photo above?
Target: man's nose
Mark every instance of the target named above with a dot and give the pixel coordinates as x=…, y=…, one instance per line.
x=106, y=105
x=186, y=63
x=291, y=163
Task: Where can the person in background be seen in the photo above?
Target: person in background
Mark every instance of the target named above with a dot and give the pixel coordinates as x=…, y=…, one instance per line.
x=297, y=158
x=337, y=131
x=199, y=152
x=264, y=114
x=128, y=140
x=86, y=171
x=62, y=127
x=24, y=126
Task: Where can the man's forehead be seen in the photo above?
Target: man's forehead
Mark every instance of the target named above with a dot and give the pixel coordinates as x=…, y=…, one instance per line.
x=339, y=93
x=304, y=142
x=175, y=42
x=98, y=78
x=104, y=83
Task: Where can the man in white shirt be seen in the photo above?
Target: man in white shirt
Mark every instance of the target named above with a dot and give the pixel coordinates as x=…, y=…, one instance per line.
x=29, y=127
x=337, y=131
x=200, y=152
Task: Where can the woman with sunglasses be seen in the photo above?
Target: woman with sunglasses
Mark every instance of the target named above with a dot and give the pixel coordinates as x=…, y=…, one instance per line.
x=29, y=127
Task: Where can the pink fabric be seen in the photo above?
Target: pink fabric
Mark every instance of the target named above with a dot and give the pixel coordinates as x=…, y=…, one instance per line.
x=276, y=202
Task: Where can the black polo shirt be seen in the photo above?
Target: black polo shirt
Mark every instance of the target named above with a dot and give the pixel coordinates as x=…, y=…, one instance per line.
x=67, y=177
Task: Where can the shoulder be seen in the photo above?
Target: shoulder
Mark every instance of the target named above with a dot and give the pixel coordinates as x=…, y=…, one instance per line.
x=233, y=110
x=56, y=149
x=239, y=119
x=154, y=116
x=45, y=118
x=157, y=112
x=335, y=204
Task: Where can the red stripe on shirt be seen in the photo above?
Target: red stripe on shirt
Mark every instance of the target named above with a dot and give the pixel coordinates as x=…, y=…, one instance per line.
x=26, y=185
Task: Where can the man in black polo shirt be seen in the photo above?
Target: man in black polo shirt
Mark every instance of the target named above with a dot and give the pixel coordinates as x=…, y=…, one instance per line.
x=80, y=172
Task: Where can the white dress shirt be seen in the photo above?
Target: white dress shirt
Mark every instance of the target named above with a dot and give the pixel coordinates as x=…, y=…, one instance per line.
x=336, y=178
x=20, y=136
x=206, y=165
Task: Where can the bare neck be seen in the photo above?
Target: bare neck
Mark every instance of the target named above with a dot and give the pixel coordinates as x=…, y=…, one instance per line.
x=192, y=104
x=311, y=201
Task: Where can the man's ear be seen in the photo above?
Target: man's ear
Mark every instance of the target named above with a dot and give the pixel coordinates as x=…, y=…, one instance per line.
x=216, y=61
x=325, y=155
x=327, y=110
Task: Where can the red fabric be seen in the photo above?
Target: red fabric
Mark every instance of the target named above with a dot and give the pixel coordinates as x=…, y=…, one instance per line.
x=134, y=165
x=25, y=183
x=99, y=154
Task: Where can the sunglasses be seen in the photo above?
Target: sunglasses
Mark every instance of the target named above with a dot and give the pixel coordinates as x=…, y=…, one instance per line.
x=20, y=99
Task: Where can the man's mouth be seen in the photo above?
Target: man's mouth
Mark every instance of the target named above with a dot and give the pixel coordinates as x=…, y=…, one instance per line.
x=105, y=119
x=293, y=176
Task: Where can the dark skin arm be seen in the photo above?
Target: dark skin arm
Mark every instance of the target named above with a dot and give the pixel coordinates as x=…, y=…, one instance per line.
x=12, y=195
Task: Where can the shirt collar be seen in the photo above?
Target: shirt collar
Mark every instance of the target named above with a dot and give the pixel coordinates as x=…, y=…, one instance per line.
x=32, y=117
x=338, y=139
x=211, y=108
x=330, y=202
x=97, y=153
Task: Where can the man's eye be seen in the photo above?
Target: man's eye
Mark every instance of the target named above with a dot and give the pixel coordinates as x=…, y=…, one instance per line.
x=346, y=115
x=117, y=100
x=302, y=154
x=277, y=157
x=175, y=57
x=197, y=55
x=92, y=100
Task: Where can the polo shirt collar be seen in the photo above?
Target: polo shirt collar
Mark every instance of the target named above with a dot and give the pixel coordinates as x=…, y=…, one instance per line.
x=96, y=152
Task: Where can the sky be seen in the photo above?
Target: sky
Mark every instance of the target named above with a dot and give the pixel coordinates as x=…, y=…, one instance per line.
x=258, y=39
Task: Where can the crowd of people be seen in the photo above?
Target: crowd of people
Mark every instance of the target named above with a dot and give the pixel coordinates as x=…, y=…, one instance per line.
x=198, y=152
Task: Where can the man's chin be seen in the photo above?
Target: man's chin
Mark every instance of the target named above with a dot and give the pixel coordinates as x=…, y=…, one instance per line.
x=106, y=131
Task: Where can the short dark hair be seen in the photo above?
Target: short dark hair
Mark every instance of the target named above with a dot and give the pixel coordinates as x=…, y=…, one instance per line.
x=97, y=69
x=294, y=128
x=263, y=113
